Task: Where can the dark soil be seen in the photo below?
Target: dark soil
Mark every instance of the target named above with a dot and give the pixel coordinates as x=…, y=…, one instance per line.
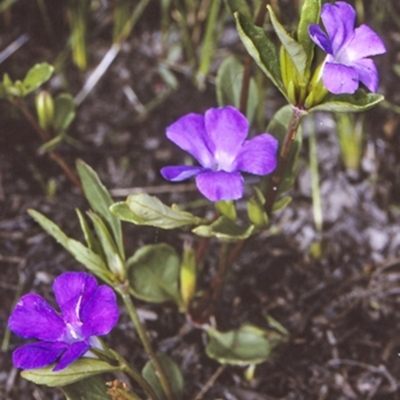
x=341, y=309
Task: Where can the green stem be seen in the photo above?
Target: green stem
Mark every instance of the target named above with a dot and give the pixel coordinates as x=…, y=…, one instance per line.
x=316, y=195
x=222, y=269
x=208, y=43
x=277, y=175
x=207, y=304
x=183, y=26
x=146, y=343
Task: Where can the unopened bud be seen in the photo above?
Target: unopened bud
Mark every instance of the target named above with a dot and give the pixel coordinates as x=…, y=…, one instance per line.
x=188, y=274
x=45, y=109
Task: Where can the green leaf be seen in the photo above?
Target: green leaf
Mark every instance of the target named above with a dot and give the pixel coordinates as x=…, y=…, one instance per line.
x=90, y=238
x=150, y=211
x=256, y=212
x=82, y=254
x=50, y=227
x=229, y=86
x=93, y=388
x=36, y=76
x=64, y=112
x=278, y=127
x=310, y=12
x=154, y=272
x=92, y=261
x=51, y=144
x=114, y=261
x=239, y=5
x=80, y=369
x=123, y=212
x=244, y=346
x=3, y=92
x=260, y=48
x=294, y=49
x=225, y=229
x=360, y=101
x=173, y=374
x=100, y=200
x=227, y=208
x=281, y=204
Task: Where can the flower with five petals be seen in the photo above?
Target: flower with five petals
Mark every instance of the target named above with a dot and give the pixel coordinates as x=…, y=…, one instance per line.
x=87, y=311
x=218, y=142
x=347, y=63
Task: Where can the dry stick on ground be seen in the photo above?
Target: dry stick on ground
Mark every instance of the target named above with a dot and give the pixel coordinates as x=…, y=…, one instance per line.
x=210, y=382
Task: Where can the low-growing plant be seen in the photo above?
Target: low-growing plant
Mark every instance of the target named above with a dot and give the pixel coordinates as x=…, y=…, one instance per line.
x=68, y=352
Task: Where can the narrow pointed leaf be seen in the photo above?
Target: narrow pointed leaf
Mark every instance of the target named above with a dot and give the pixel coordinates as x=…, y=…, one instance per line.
x=80, y=369
x=90, y=238
x=173, y=374
x=281, y=204
x=114, y=261
x=50, y=227
x=92, y=261
x=100, y=200
x=82, y=254
x=295, y=50
x=310, y=12
x=260, y=48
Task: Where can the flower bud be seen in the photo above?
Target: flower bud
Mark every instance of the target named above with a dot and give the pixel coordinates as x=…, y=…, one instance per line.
x=45, y=109
x=317, y=90
x=188, y=274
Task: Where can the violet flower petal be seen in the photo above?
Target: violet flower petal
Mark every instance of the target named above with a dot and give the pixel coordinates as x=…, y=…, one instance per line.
x=227, y=129
x=364, y=43
x=319, y=37
x=339, y=78
x=74, y=351
x=37, y=355
x=180, y=172
x=100, y=314
x=338, y=19
x=367, y=73
x=189, y=133
x=34, y=317
x=220, y=185
x=72, y=290
x=258, y=155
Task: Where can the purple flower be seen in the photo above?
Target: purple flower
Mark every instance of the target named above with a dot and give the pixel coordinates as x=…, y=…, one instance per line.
x=217, y=141
x=346, y=64
x=87, y=310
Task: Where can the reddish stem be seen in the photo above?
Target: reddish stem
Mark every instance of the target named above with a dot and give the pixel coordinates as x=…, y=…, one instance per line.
x=277, y=175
